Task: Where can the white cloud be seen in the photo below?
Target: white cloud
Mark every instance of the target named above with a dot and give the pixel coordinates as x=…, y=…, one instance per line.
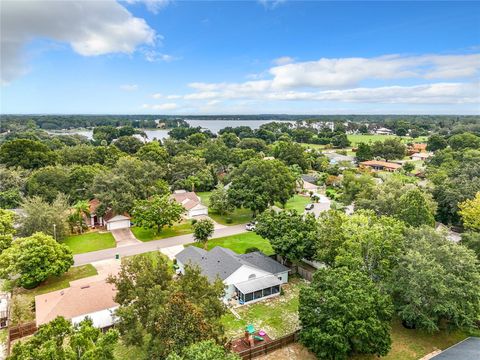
x=157, y=96
x=283, y=60
x=90, y=27
x=173, y=97
x=271, y=4
x=154, y=56
x=165, y=106
x=154, y=6
x=129, y=87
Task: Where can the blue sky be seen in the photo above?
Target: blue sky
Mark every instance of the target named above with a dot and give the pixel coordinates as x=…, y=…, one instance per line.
x=179, y=57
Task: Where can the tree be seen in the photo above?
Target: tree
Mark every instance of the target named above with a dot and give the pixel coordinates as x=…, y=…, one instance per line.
x=464, y=141
x=230, y=139
x=202, y=231
x=252, y=143
x=470, y=213
x=342, y=312
x=34, y=259
x=414, y=209
x=353, y=184
x=257, y=184
x=40, y=216
x=12, y=184
x=364, y=152
x=436, y=142
x=59, y=339
x=151, y=301
x=389, y=149
x=153, y=151
x=204, y=350
x=291, y=235
x=436, y=280
x=128, y=144
x=28, y=154
x=340, y=141
x=6, y=229
x=291, y=153
x=472, y=241
x=219, y=201
x=48, y=182
x=408, y=167
x=157, y=212
x=76, y=218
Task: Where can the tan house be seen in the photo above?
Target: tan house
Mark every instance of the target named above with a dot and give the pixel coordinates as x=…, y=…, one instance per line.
x=75, y=303
x=378, y=165
x=191, y=202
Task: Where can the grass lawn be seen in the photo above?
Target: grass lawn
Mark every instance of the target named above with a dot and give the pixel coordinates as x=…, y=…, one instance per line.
x=370, y=138
x=238, y=216
x=52, y=284
x=278, y=316
x=143, y=234
x=297, y=202
x=91, y=241
x=241, y=242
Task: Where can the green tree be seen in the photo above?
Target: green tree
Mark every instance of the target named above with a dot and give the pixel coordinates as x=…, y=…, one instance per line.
x=389, y=149
x=40, y=216
x=364, y=152
x=257, y=184
x=408, y=167
x=414, y=209
x=252, y=143
x=342, y=313
x=157, y=212
x=153, y=151
x=436, y=142
x=472, y=241
x=59, y=339
x=204, y=350
x=76, y=217
x=470, y=213
x=340, y=141
x=353, y=184
x=219, y=201
x=230, y=139
x=464, y=141
x=6, y=229
x=291, y=235
x=128, y=144
x=436, y=280
x=28, y=154
x=33, y=259
x=48, y=182
x=202, y=231
x=291, y=153
x=12, y=184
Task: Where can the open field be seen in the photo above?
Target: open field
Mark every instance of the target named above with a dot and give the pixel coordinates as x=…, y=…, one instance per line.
x=241, y=242
x=91, y=241
x=370, y=138
x=144, y=234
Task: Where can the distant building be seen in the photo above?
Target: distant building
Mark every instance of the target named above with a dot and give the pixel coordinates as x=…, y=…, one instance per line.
x=335, y=158
x=191, y=202
x=420, y=156
x=378, y=165
x=383, y=131
x=110, y=219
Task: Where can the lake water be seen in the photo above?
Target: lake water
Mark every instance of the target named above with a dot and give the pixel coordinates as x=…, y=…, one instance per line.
x=213, y=125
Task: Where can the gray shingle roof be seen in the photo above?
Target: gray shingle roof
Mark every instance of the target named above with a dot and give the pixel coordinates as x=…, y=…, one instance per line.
x=224, y=262
x=468, y=349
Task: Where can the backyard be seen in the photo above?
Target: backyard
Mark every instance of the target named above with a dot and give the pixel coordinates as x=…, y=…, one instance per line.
x=91, y=241
x=144, y=234
x=240, y=243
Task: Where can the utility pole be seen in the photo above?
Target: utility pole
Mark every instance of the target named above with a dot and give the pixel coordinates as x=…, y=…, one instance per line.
x=55, y=231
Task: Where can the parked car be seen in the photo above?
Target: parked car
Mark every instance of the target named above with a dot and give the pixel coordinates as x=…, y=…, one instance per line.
x=309, y=206
x=250, y=226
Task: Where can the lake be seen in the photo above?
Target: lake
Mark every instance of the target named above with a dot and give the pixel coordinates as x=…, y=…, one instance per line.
x=213, y=125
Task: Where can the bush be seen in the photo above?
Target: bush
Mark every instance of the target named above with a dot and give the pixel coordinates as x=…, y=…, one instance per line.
x=193, y=221
x=251, y=249
x=229, y=220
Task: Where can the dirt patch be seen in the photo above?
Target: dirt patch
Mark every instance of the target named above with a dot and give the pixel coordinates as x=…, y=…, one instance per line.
x=290, y=352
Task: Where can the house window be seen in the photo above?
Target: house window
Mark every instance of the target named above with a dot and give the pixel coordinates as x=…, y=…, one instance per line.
x=276, y=289
x=257, y=294
x=248, y=297
x=267, y=291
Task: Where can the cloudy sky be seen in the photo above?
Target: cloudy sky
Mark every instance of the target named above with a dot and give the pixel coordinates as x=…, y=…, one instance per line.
x=179, y=57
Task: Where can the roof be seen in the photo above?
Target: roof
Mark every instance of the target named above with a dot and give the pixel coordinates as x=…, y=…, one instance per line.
x=74, y=301
x=118, y=218
x=221, y=262
x=420, y=147
x=309, y=178
x=93, y=205
x=468, y=349
x=188, y=199
x=258, y=284
x=381, y=163
x=338, y=157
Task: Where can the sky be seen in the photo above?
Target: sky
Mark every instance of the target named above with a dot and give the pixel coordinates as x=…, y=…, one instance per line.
x=231, y=57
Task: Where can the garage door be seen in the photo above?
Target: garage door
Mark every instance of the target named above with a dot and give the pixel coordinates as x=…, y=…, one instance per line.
x=197, y=212
x=118, y=225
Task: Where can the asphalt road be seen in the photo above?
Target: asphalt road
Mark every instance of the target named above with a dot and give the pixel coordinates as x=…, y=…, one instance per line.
x=87, y=258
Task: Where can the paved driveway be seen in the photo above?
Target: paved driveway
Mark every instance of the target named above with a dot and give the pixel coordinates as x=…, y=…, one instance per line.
x=321, y=206
x=124, y=237
x=142, y=247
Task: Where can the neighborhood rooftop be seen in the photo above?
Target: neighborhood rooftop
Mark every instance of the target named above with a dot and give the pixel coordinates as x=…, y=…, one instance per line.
x=468, y=349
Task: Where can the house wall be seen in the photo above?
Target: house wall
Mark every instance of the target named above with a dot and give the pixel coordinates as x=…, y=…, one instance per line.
x=283, y=277
x=241, y=275
x=101, y=319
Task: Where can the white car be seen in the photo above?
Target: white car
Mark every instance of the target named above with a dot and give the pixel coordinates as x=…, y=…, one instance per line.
x=309, y=206
x=250, y=226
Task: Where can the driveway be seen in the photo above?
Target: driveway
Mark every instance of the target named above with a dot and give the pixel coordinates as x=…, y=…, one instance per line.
x=124, y=237
x=322, y=205
x=142, y=247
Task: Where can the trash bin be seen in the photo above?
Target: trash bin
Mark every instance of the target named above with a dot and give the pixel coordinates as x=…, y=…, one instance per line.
x=117, y=256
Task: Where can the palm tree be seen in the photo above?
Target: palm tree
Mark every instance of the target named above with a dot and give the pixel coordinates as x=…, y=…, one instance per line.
x=80, y=208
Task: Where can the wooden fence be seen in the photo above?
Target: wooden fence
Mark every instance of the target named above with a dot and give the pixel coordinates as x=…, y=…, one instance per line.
x=19, y=331
x=267, y=348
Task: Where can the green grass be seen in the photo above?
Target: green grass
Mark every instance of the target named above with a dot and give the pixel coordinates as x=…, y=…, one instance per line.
x=297, y=202
x=278, y=316
x=91, y=241
x=53, y=283
x=241, y=242
x=370, y=138
x=144, y=234
x=414, y=344
x=124, y=352
x=238, y=216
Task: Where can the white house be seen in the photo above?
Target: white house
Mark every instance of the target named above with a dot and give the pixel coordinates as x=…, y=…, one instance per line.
x=75, y=303
x=247, y=277
x=420, y=156
x=110, y=220
x=383, y=131
x=191, y=202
